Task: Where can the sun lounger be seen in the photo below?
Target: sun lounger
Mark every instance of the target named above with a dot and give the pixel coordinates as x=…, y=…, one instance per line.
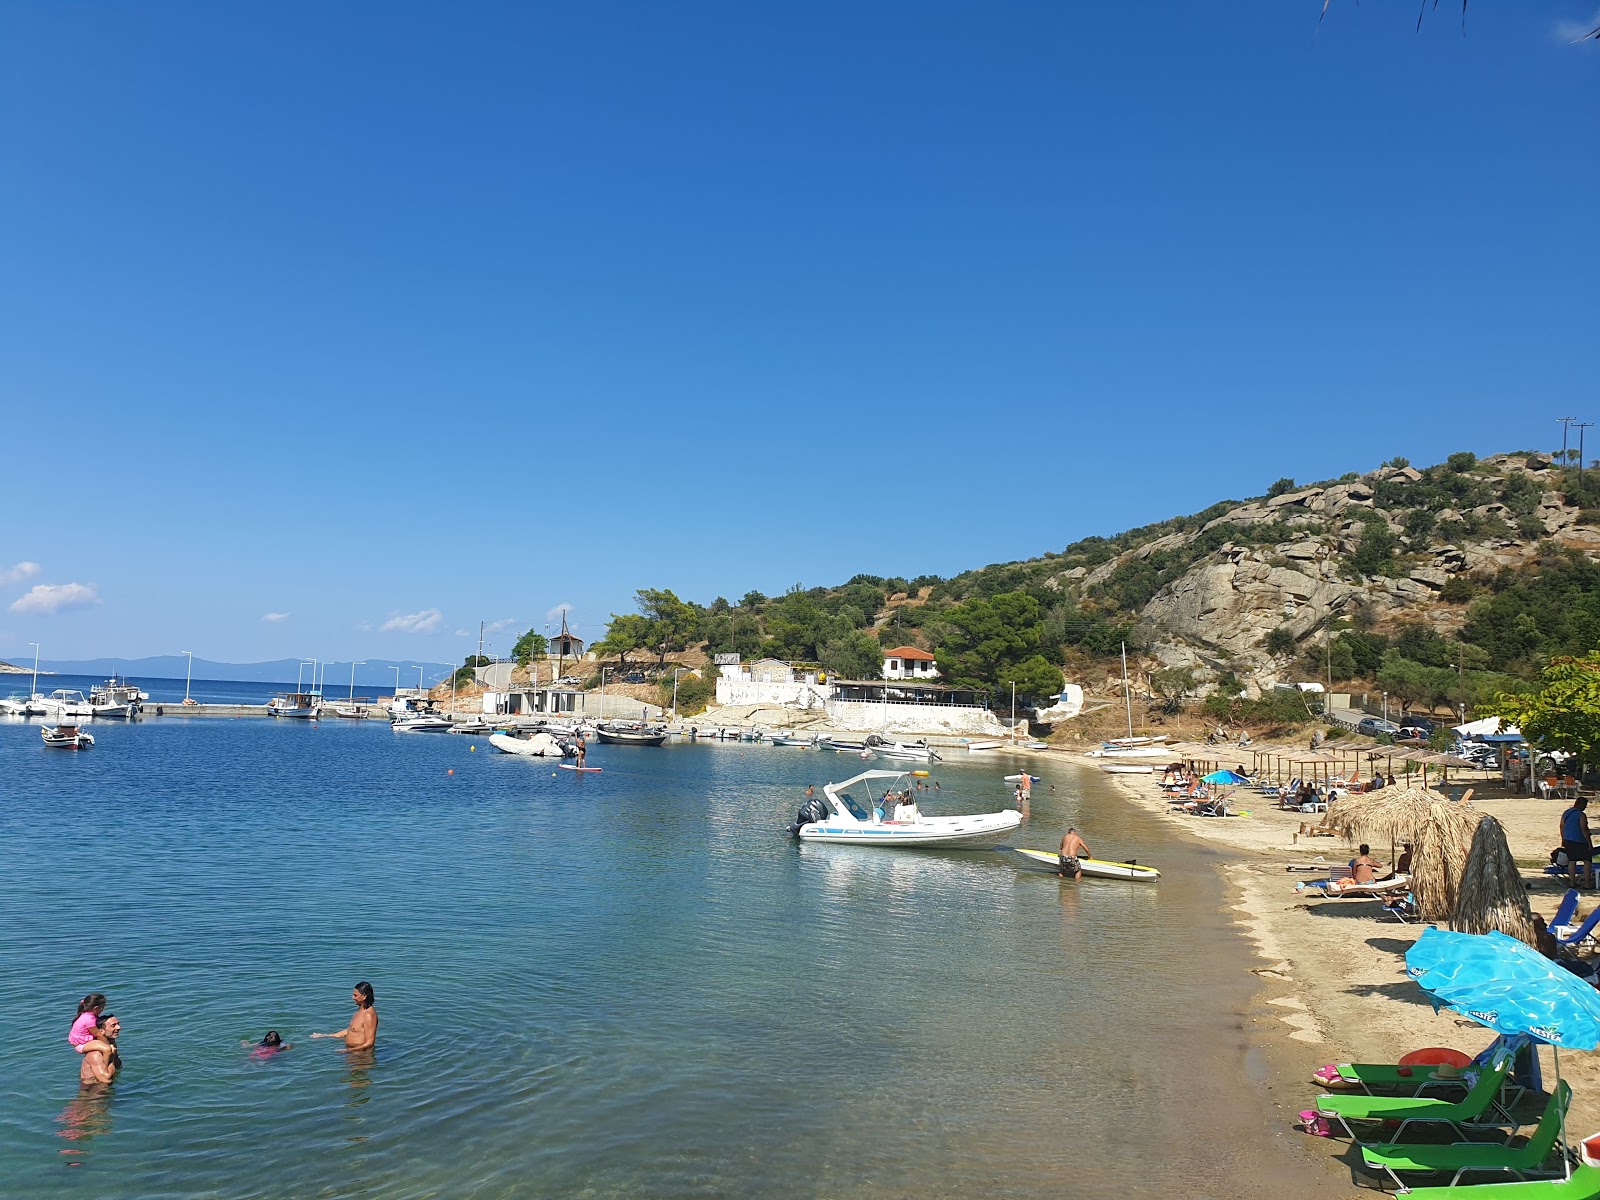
x=1398, y=886
x=1480, y=1158
x=1584, y=1185
x=1387, y=1077
x=1567, y=909
x=1478, y=1108
x=1402, y=908
x=1583, y=933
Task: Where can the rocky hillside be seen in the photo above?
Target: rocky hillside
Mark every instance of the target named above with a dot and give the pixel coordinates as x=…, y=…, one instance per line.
x=1255, y=586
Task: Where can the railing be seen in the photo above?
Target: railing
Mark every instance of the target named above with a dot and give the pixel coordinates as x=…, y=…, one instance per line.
x=916, y=703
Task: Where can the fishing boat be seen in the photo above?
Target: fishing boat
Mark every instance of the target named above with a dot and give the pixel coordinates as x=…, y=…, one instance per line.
x=66, y=702
x=351, y=712
x=980, y=746
x=846, y=746
x=837, y=816
x=302, y=706
x=631, y=735
x=116, y=698
x=809, y=743
x=1098, y=868
x=474, y=728
x=65, y=737
x=1128, y=743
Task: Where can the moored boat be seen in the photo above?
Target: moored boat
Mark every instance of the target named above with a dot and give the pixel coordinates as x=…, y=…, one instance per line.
x=917, y=751
x=424, y=723
x=1095, y=867
x=837, y=816
x=1128, y=769
x=65, y=703
x=116, y=698
x=303, y=706
x=65, y=737
x=631, y=735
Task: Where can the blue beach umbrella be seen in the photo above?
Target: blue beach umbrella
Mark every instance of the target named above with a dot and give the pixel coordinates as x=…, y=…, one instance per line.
x=1225, y=776
x=1508, y=986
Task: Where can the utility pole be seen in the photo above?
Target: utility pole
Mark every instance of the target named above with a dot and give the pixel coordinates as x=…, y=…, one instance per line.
x=1580, y=426
x=480, y=639
x=1566, y=424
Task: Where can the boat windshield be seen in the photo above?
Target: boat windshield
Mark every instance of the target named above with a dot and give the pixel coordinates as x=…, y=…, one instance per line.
x=851, y=806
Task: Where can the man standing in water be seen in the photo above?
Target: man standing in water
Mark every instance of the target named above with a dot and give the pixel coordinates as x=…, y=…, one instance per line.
x=1072, y=849
x=362, y=1032
x=99, y=1067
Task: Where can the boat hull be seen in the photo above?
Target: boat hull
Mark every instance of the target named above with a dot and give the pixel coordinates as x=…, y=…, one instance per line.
x=956, y=833
x=614, y=738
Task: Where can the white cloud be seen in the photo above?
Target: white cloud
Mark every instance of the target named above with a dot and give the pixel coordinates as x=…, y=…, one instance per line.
x=50, y=597
x=464, y=633
x=497, y=626
x=554, y=615
x=274, y=616
x=426, y=621
x=16, y=574
x=1578, y=31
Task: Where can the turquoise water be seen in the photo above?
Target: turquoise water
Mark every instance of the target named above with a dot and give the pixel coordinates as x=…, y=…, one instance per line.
x=622, y=984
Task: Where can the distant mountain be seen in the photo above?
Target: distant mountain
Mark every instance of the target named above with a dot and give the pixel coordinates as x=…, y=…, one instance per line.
x=374, y=673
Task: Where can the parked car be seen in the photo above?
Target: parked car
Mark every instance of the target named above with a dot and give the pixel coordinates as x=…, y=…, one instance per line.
x=1419, y=728
x=633, y=677
x=1377, y=727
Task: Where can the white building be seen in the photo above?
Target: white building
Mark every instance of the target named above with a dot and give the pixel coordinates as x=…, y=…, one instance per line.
x=907, y=662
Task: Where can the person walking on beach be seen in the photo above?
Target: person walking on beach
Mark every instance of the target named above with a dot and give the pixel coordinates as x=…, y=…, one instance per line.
x=1073, y=848
x=362, y=1031
x=101, y=1065
x=1577, y=841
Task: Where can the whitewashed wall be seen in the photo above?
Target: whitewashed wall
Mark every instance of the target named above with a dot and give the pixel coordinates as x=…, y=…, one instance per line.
x=788, y=695
x=872, y=716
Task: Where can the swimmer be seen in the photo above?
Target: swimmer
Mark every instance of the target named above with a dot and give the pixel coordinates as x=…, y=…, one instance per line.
x=101, y=1066
x=82, y=1034
x=272, y=1044
x=362, y=1031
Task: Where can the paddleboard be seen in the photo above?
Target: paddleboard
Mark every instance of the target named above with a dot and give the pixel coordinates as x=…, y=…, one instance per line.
x=1095, y=866
x=570, y=767
x=1018, y=778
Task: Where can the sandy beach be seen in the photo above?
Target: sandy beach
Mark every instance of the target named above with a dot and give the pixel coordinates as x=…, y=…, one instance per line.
x=1332, y=971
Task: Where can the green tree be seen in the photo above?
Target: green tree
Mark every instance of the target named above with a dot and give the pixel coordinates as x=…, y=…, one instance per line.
x=530, y=646
x=987, y=636
x=673, y=623
x=1036, y=678
x=626, y=633
x=1403, y=679
x=1280, y=487
x=1462, y=462
x=852, y=656
x=1280, y=641
x=1564, y=714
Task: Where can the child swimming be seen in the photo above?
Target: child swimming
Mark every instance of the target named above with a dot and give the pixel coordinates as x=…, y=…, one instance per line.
x=269, y=1045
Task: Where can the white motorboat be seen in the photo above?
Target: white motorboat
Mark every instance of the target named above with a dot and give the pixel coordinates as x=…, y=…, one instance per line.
x=473, y=728
x=303, y=706
x=837, y=816
x=1129, y=743
x=808, y=743
x=64, y=703
x=976, y=747
x=424, y=723
x=351, y=712
x=631, y=735
x=1128, y=769
x=1130, y=752
x=21, y=705
x=66, y=737
x=918, y=751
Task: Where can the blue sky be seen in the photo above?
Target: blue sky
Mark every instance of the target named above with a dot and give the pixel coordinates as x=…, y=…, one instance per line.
x=333, y=330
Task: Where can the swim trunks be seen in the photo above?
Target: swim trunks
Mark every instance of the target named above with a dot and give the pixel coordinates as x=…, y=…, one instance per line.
x=1069, y=864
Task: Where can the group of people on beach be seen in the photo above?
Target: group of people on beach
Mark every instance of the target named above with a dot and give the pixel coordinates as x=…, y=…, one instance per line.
x=94, y=1035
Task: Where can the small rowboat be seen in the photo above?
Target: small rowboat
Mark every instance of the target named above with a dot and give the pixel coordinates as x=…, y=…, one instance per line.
x=1094, y=866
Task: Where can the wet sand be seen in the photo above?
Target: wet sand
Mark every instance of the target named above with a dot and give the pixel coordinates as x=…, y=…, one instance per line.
x=1333, y=984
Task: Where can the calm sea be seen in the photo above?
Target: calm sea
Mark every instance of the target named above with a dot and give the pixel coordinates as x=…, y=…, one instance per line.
x=206, y=691
x=623, y=984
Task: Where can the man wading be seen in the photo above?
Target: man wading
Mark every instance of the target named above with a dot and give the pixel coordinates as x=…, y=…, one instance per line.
x=1072, y=849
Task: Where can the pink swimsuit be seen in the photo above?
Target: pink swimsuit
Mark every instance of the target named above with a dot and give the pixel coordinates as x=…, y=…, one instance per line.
x=83, y=1028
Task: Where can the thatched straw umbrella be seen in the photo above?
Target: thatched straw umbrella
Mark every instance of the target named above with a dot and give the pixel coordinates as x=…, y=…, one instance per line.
x=1440, y=832
x=1492, y=895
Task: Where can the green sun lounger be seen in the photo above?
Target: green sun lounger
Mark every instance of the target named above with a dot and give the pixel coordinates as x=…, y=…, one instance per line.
x=1584, y=1185
x=1471, y=1109
x=1463, y=1158
x=1387, y=1077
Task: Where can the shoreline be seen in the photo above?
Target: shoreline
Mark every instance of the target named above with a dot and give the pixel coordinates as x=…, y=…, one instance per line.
x=1332, y=982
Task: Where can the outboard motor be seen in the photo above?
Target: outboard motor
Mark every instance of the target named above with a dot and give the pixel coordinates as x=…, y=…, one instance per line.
x=811, y=811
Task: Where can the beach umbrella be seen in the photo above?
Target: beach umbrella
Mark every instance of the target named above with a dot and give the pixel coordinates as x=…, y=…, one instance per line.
x=1492, y=895
x=1225, y=776
x=1439, y=830
x=1513, y=989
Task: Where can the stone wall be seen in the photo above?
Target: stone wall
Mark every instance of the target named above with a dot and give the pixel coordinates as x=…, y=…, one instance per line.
x=804, y=696
x=873, y=716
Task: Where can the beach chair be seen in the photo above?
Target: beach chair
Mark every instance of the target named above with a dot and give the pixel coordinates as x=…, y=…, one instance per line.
x=1536, y=1157
x=1566, y=909
x=1401, y=908
x=1478, y=1109
x=1583, y=933
x=1584, y=1185
x=1387, y=1077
